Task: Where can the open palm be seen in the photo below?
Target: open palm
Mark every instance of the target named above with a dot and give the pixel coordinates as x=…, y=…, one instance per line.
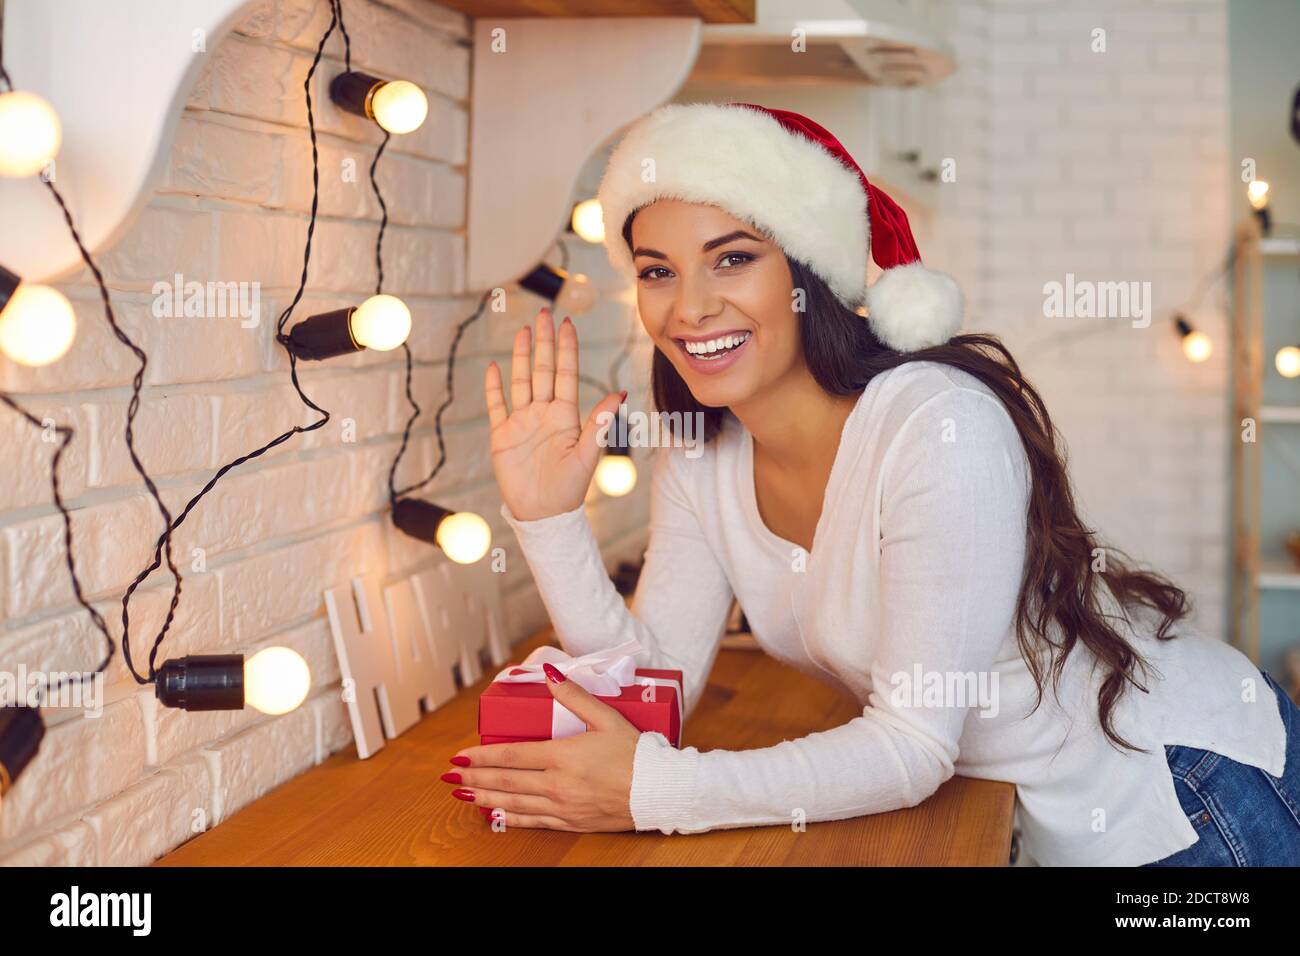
x=543, y=457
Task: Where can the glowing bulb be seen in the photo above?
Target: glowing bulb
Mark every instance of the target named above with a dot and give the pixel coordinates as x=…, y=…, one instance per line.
x=381, y=323
x=1196, y=346
x=30, y=134
x=37, y=325
x=616, y=475
x=399, y=106
x=589, y=221
x=464, y=537
x=1288, y=361
x=577, y=296
x=276, y=680
x=1257, y=194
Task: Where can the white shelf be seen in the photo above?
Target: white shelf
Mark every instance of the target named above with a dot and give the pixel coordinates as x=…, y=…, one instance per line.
x=1280, y=413
x=1277, y=573
x=1279, y=247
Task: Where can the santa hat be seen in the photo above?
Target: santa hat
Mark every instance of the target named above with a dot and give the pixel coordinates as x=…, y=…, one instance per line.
x=789, y=177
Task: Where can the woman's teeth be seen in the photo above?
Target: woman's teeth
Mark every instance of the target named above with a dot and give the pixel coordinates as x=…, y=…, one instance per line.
x=715, y=348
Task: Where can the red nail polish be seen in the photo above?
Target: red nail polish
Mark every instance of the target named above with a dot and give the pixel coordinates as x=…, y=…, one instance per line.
x=460, y=761
x=553, y=674
x=486, y=811
x=451, y=777
x=461, y=793
x=624, y=397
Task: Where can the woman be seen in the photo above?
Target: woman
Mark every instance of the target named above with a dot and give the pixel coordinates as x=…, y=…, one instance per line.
x=886, y=500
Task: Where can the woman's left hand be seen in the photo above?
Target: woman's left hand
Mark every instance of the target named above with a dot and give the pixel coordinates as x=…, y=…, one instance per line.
x=581, y=783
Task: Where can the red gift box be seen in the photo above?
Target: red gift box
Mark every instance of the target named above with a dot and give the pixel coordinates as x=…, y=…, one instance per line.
x=510, y=712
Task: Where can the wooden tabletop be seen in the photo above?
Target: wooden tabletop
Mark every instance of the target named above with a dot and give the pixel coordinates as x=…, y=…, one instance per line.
x=392, y=810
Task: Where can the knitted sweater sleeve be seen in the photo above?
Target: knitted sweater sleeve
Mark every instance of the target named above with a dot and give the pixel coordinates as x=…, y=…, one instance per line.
x=953, y=518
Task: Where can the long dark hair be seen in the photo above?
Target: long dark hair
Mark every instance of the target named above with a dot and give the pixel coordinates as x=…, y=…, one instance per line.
x=1060, y=584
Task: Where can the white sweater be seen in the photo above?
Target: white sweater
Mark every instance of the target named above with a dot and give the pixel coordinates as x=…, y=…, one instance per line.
x=912, y=580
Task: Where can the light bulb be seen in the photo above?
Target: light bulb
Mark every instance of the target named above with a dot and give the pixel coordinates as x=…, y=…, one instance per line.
x=21, y=733
x=589, y=221
x=399, y=106
x=1257, y=194
x=30, y=134
x=381, y=323
x=615, y=475
x=37, y=325
x=1196, y=346
x=276, y=680
x=1288, y=361
x=464, y=537
x=577, y=296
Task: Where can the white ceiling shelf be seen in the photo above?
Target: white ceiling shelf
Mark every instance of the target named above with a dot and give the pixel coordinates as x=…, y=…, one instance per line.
x=1286, y=414
x=1278, y=572
x=1279, y=247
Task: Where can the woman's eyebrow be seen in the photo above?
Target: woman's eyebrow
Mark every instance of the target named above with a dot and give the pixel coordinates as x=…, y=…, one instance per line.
x=711, y=244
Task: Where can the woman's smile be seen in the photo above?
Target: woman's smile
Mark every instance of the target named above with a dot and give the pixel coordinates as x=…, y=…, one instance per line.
x=715, y=352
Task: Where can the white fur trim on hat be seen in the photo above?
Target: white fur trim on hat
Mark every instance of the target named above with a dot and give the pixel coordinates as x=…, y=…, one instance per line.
x=911, y=307
x=745, y=162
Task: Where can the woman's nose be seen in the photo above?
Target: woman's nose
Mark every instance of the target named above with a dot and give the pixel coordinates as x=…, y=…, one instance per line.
x=696, y=300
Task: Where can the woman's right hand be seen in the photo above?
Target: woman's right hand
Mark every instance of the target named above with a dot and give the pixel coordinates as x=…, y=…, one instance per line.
x=543, y=459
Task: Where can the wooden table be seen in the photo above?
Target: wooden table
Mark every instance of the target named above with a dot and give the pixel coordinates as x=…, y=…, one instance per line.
x=392, y=810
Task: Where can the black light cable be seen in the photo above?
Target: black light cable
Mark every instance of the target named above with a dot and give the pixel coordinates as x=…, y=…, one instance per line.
x=463, y=536
x=202, y=682
x=278, y=677
x=66, y=435
x=382, y=322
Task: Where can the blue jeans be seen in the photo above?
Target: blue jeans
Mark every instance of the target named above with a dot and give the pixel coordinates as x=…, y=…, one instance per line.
x=1243, y=816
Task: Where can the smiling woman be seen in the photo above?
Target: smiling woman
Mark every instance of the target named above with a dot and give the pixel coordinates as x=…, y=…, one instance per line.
x=887, y=501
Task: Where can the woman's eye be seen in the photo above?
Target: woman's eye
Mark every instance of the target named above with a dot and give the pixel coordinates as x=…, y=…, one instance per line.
x=649, y=273
x=742, y=256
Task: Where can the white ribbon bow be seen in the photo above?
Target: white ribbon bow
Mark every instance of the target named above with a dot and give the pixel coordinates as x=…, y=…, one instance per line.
x=602, y=673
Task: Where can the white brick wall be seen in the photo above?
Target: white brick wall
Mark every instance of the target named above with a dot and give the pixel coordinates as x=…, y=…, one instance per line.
x=131, y=784
x=1113, y=166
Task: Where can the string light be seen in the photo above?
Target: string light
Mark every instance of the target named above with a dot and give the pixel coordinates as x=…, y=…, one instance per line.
x=1287, y=361
x=571, y=293
x=274, y=681
x=382, y=323
x=37, y=324
x=30, y=134
x=1196, y=345
x=1257, y=196
x=616, y=471
x=588, y=221
x=463, y=536
x=21, y=733
x=398, y=106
